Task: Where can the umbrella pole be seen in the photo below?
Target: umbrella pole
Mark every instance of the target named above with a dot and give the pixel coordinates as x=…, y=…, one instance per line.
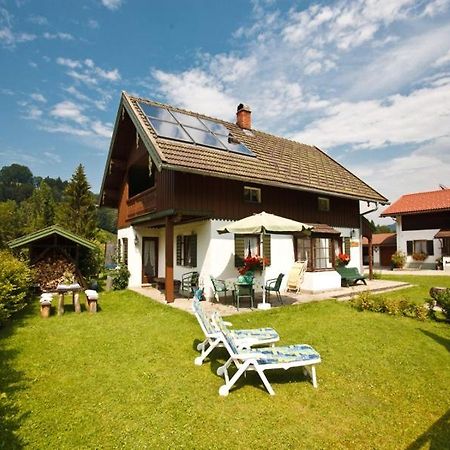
x=263, y=305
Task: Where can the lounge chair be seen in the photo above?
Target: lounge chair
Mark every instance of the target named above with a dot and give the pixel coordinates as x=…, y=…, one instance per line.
x=296, y=276
x=261, y=359
x=244, y=338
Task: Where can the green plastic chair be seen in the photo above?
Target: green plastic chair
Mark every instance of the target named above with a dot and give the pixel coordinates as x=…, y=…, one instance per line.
x=189, y=282
x=273, y=285
x=219, y=287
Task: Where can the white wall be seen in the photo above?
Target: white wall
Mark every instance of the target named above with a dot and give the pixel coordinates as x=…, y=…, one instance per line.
x=417, y=235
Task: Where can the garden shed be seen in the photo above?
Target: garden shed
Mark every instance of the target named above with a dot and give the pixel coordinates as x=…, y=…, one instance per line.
x=56, y=255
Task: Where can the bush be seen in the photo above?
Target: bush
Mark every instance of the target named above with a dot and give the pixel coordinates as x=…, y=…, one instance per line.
x=443, y=301
x=398, y=260
x=393, y=306
x=120, y=277
x=16, y=280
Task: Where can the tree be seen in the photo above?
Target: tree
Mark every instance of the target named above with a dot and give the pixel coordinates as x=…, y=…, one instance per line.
x=16, y=183
x=77, y=210
x=10, y=223
x=39, y=208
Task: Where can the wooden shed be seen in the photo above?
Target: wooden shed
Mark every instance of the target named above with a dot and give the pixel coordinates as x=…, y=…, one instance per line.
x=55, y=254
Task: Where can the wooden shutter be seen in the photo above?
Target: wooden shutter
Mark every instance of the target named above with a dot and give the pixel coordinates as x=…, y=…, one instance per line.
x=266, y=247
x=193, y=249
x=430, y=249
x=125, y=251
x=179, y=250
x=346, y=248
x=409, y=247
x=238, y=251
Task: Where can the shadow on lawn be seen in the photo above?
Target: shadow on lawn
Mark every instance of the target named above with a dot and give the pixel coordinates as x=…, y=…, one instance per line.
x=436, y=437
x=11, y=381
x=439, y=339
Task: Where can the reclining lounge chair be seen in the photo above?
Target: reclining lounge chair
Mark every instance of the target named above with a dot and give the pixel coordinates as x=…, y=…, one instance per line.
x=244, y=338
x=261, y=359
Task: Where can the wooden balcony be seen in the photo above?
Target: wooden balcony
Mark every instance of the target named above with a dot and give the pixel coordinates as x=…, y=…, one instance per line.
x=142, y=203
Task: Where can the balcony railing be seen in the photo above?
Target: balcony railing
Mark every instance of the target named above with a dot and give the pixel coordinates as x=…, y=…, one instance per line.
x=142, y=203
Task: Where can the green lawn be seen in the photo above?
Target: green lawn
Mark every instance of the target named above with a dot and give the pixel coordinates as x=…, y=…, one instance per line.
x=125, y=378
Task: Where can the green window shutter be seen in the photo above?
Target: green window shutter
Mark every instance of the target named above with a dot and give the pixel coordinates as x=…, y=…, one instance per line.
x=346, y=248
x=430, y=249
x=238, y=251
x=125, y=251
x=409, y=247
x=179, y=250
x=266, y=247
x=193, y=244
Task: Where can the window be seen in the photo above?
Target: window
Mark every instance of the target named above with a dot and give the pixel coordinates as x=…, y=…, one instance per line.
x=419, y=246
x=318, y=251
x=249, y=245
x=323, y=204
x=187, y=250
x=252, y=194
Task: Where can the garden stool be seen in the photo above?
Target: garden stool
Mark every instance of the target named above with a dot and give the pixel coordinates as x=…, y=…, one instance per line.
x=46, y=303
x=91, y=300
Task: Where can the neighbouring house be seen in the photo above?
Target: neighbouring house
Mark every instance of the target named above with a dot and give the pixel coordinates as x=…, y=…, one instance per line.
x=177, y=176
x=423, y=226
x=384, y=245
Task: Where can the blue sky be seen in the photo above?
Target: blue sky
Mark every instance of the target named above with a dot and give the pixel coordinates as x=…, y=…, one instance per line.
x=366, y=81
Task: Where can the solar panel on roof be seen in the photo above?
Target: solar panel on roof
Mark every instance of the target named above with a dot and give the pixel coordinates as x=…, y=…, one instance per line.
x=157, y=112
x=169, y=130
x=189, y=121
x=205, y=138
x=216, y=127
x=185, y=127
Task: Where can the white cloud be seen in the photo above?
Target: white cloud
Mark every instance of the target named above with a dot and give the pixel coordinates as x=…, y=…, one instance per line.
x=73, y=64
x=443, y=60
x=53, y=157
x=112, y=4
x=38, y=97
x=38, y=20
x=58, y=35
x=102, y=129
x=88, y=72
x=398, y=119
x=69, y=111
x=92, y=23
x=436, y=7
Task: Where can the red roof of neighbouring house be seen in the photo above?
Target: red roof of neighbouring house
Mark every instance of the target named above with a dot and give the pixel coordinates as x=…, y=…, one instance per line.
x=420, y=202
x=382, y=239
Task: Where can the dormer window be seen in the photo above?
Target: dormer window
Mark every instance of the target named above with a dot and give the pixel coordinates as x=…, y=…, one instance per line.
x=252, y=194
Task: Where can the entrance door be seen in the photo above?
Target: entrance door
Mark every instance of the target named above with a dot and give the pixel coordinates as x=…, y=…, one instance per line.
x=149, y=259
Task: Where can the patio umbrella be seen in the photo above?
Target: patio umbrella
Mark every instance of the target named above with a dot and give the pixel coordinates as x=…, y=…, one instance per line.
x=264, y=223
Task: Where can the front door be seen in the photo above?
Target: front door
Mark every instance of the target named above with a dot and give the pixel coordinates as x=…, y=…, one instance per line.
x=149, y=259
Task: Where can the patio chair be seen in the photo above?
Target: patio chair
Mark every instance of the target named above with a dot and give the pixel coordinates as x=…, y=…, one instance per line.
x=266, y=358
x=245, y=338
x=243, y=290
x=189, y=283
x=219, y=287
x=296, y=276
x=274, y=285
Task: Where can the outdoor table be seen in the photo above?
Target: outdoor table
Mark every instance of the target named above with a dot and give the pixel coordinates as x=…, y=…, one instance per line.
x=62, y=289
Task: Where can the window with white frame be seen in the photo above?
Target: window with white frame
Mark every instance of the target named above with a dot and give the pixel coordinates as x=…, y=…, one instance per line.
x=318, y=251
x=252, y=194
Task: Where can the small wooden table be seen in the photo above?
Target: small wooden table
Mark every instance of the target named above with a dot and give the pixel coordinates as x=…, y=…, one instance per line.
x=62, y=289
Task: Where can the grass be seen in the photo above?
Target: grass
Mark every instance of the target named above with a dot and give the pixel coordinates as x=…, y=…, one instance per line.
x=125, y=378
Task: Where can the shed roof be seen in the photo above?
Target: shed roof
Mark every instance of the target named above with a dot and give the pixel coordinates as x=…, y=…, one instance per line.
x=382, y=239
x=277, y=161
x=420, y=202
x=46, y=232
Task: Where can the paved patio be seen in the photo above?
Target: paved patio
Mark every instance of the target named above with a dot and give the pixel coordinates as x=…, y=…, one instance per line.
x=225, y=307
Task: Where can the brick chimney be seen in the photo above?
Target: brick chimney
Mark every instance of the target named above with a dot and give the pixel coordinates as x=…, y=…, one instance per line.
x=244, y=116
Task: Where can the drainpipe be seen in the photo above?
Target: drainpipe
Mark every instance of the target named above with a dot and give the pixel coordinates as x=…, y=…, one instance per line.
x=369, y=239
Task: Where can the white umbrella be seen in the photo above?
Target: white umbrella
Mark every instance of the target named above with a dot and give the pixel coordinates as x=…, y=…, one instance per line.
x=264, y=223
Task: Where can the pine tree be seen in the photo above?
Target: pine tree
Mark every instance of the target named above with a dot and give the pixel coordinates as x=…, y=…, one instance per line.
x=77, y=211
x=39, y=208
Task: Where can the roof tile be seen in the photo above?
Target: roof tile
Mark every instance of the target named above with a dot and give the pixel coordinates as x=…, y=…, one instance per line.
x=420, y=202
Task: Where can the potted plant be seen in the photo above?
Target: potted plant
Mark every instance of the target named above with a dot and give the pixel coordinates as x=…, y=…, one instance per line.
x=343, y=259
x=419, y=256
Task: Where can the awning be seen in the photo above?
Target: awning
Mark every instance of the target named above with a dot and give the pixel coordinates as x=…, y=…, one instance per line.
x=442, y=234
x=323, y=228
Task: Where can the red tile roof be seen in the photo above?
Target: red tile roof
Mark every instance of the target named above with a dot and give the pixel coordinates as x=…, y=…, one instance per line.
x=420, y=202
x=382, y=239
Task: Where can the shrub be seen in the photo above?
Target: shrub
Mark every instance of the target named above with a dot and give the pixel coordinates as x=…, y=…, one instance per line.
x=393, y=306
x=398, y=259
x=15, y=283
x=120, y=277
x=443, y=301
x=419, y=256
